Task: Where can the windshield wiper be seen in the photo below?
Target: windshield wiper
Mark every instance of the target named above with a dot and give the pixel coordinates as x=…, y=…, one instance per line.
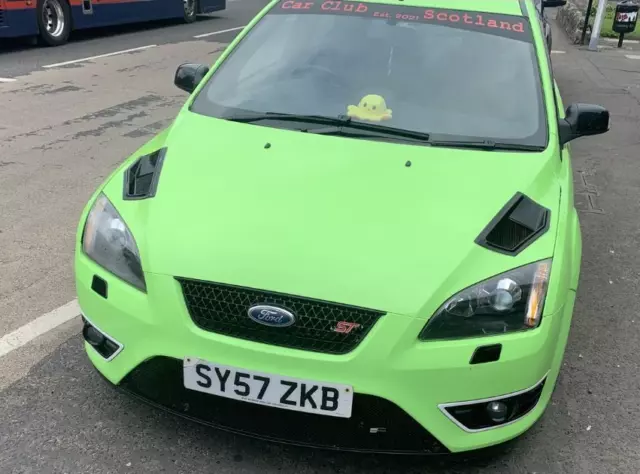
x=359, y=130
x=319, y=119
x=485, y=145
x=336, y=125
x=340, y=124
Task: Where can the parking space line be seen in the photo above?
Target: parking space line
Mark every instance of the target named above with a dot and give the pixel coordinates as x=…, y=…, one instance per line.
x=115, y=53
x=38, y=327
x=219, y=32
x=632, y=56
x=555, y=51
x=7, y=79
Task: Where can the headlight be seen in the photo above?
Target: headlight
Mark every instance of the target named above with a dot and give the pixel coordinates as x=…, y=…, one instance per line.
x=512, y=301
x=108, y=241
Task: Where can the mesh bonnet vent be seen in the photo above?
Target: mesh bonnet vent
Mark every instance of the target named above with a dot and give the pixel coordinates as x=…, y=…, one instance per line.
x=141, y=179
x=516, y=226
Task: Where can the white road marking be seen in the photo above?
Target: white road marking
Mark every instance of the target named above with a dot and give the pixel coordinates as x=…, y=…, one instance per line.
x=38, y=327
x=7, y=79
x=632, y=56
x=115, y=53
x=555, y=51
x=219, y=32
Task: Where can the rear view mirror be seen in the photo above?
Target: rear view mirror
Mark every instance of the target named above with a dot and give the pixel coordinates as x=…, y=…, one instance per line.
x=189, y=75
x=582, y=120
x=553, y=3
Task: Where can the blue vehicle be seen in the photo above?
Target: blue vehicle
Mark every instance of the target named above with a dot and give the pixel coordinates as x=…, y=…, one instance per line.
x=53, y=20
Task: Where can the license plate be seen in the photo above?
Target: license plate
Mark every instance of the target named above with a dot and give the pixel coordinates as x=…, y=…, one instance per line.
x=268, y=389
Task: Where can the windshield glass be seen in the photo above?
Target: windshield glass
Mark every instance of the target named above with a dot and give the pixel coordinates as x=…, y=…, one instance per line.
x=440, y=72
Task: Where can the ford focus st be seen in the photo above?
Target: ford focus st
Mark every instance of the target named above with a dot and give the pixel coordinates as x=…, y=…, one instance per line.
x=359, y=232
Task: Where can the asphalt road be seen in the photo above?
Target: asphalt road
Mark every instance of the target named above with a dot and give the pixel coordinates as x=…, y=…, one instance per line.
x=63, y=129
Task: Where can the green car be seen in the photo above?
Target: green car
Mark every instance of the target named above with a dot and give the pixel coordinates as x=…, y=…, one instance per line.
x=359, y=232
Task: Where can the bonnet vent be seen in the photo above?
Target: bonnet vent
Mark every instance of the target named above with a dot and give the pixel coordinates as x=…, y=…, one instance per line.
x=141, y=179
x=518, y=224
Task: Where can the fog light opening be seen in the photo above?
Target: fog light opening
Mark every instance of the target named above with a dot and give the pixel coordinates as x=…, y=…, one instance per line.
x=498, y=411
x=490, y=413
x=103, y=344
x=92, y=336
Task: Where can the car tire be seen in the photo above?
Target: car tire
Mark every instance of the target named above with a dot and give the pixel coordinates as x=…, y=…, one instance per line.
x=190, y=10
x=54, y=21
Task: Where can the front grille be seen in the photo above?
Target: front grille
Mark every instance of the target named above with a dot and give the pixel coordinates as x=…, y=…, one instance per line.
x=1, y=16
x=223, y=309
x=376, y=424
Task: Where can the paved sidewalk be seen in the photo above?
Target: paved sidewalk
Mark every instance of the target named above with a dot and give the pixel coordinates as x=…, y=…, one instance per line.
x=609, y=77
x=600, y=389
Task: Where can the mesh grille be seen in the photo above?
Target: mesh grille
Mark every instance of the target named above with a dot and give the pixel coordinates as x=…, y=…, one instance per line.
x=508, y=234
x=223, y=309
x=376, y=424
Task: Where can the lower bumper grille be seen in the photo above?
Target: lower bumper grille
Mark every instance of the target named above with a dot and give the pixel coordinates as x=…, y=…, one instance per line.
x=376, y=425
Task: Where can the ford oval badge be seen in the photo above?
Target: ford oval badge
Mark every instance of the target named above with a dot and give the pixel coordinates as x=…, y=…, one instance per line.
x=271, y=316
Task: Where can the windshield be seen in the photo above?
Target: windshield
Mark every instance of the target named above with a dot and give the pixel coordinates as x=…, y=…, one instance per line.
x=438, y=72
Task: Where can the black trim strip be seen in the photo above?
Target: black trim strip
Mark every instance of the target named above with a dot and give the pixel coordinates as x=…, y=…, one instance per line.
x=523, y=8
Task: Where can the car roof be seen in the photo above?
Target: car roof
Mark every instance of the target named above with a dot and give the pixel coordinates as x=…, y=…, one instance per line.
x=506, y=7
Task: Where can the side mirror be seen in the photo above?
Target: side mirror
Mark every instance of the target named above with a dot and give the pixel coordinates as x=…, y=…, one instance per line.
x=189, y=75
x=582, y=120
x=553, y=3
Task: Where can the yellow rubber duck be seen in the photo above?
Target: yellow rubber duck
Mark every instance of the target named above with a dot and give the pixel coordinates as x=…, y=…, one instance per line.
x=371, y=107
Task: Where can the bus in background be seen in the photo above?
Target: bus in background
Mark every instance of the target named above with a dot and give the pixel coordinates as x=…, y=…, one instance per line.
x=53, y=20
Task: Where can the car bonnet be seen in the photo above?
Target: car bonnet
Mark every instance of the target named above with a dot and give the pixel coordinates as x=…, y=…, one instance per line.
x=380, y=225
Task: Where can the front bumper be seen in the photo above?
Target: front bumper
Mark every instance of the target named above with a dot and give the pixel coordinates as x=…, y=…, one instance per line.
x=401, y=384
